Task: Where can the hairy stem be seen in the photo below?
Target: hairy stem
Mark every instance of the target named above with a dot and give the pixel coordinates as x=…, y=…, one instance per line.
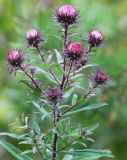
x=70, y=108
x=65, y=36
x=31, y=78
x=67, y=79
x=89, y=49
x=54, y=146
x=64, y=49
x=90, y=91
x=55, y=138
x=40, y=53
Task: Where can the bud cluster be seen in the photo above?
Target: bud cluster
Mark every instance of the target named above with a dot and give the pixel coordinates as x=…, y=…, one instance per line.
x=73, y=51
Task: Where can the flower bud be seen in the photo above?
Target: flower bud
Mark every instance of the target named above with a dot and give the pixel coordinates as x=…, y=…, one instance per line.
x=33, y=37
x=54, y=94
x=74, y=51
x=66, y=15
x=15, y=58
x=95, y=38
x=100, y=77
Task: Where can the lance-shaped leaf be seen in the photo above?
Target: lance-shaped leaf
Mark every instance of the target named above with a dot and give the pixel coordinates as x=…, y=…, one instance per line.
x=14, y=151
x=42, y=110
x=69, y=92
x=84, y=67
x=89, y=154
x=93, y=106
x=12, y=135
x=58, y=56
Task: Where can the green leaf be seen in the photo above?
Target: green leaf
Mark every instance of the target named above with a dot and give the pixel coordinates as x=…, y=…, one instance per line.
x=67, y=157
x=26, y=83
x=93, y=106
x=63, y=124
x=49, y=58
x=92, y=127
x=14, y=151
x=77, y=85
x=62, y=121
x=36, y=127
x=84, y=67
x=77, y=76
x=68, y=93
x=89, y=154
x=12, y=135
x=58, y=70
x=58, y=56
x=83, y=158
x=28, y=141
x=63, y=106
x=48, y=76
x=27, y=151
x=42, y=110
x=74, y=99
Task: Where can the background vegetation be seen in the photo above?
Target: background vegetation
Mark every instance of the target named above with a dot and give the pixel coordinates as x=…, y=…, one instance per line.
x=110, y=16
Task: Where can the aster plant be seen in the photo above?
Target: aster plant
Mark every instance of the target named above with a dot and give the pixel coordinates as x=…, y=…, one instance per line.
x=54, y=136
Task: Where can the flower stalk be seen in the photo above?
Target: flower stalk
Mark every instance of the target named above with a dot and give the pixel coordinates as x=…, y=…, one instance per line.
x=64, y=50
x=31, y=78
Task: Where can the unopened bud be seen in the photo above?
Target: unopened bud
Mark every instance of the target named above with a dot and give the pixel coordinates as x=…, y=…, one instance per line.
x=33, y=37
x=66, y=14
x=15, y=58
x=95, y=38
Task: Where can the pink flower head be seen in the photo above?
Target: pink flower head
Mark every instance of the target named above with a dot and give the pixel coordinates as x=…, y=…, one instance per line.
x=66, y=14
x=33, y=37
x=97, y=35
x=100, y=77
x=74, y=50
x=15, y=58
x=32, y=33
x=95, y=38
x=67, y=10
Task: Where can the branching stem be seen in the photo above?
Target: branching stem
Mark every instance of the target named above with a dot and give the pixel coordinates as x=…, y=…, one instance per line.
x=31, y=78
x=69, y=144
x=36, y=143
x=85, y=97
x=44, y=61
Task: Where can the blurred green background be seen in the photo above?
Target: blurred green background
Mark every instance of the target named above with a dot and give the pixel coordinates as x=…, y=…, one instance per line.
x=109, y=16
